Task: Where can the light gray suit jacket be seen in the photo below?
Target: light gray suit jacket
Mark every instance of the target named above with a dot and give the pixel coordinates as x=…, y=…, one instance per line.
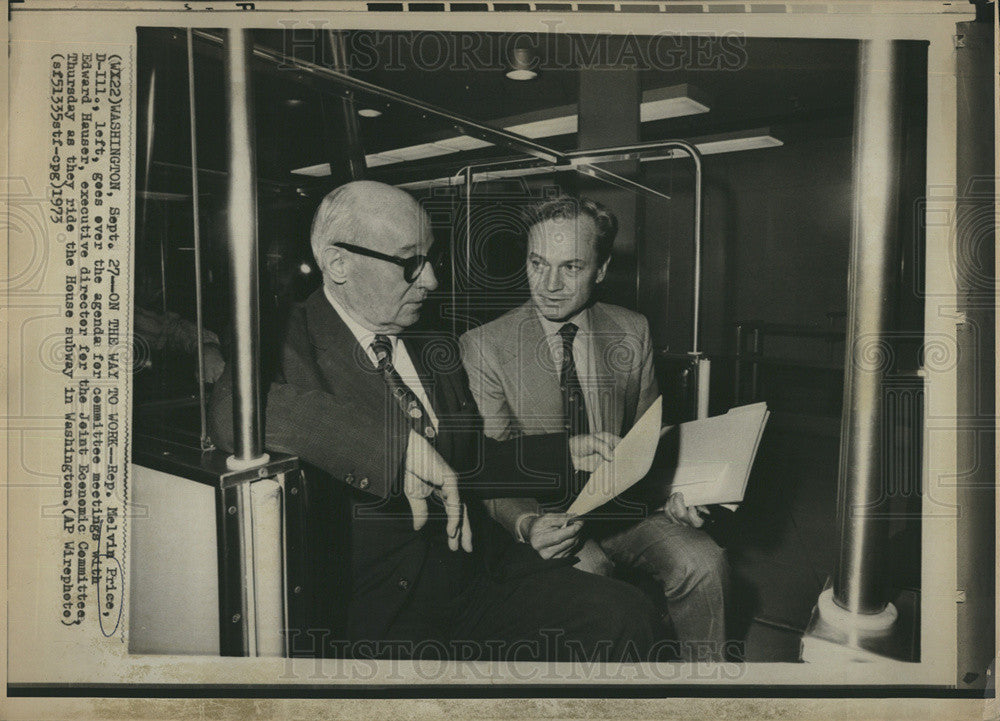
x=515, y=381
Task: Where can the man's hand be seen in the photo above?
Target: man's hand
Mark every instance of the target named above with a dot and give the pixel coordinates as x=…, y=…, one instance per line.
x=588, y=451
x=554, y=535
x=426, y=472
x=678, y=512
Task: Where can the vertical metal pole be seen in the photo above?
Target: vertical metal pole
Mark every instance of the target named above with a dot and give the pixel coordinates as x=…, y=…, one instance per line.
x=453, y=265
x=756, y=350
x=696, y=308
x=164, y=234
x=638, y=269
x=703, y=389
x=738, y=369
x=245, y=360
x=877, y=134
x=147, y=166
x=703, y=367
x=196, y=221
x=468, y=246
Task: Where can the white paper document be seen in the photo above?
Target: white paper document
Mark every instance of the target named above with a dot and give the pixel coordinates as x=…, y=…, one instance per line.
x=632, y=461
x=708, y=460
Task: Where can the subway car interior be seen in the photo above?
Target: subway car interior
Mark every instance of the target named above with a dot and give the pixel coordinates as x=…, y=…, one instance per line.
x=730, y=163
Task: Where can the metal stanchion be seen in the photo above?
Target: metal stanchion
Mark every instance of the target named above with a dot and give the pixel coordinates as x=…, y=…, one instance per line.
x=243, y=282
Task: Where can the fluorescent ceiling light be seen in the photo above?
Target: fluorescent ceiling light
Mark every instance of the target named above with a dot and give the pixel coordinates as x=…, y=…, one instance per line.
x=315, y=171
x=562, y=125
x=670, y=108
x=729, y=146
x=657, y=104
x=725, y=143
x=369, y=112
x=425, y=150
x=708, y=145
x=674, y=101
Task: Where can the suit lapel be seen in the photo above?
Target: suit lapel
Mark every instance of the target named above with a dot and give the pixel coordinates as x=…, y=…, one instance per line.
x=345, y=366
x=532, y=372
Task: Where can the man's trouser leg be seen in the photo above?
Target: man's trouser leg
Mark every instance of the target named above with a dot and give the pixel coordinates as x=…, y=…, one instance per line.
x=692, y=571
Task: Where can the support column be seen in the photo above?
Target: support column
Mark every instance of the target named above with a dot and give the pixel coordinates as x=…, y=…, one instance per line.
x=350, y=144
x=244, y=294
x=856, y=609
x=877, y=134
x=609, y=99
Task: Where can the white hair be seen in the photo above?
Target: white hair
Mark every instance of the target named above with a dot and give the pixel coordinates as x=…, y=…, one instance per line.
x=354, y=210
x=336, y=220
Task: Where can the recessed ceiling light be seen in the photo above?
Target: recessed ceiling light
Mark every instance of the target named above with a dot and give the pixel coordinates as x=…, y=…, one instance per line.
x=522, y=74
x=294, y=102
x=520, y=65
x=369, y=112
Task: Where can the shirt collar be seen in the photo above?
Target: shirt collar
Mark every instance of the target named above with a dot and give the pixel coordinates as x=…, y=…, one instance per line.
x=362, y=334
x=581, y=320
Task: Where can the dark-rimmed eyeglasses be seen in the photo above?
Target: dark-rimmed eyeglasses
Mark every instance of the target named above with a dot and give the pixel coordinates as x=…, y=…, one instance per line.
x=412, y=265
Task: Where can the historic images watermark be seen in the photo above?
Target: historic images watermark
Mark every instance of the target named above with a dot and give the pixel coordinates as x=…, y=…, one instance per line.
x=548, y=658
x=432, y=50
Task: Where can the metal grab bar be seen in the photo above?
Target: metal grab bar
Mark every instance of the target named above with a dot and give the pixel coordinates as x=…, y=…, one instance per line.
x=206, y=442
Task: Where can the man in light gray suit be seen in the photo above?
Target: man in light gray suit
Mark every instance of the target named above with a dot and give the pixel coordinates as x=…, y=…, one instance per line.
x=562, y=362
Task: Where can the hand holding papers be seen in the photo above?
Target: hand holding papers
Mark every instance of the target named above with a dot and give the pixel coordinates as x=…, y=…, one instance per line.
x=708, y=460
x=632, y=460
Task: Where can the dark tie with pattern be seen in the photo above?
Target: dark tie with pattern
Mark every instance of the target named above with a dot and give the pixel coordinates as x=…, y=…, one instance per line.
x=413, y=409
x=574, y=405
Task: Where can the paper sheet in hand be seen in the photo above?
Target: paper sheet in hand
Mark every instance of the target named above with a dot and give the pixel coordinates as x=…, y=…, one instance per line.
x=632, y=460
x=709, y=460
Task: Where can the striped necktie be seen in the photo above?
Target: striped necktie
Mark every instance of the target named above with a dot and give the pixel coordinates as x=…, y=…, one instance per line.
x=574, y=406
x=413, y=409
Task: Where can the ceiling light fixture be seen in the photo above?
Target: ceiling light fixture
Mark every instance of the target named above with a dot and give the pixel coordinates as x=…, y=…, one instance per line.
x=520, y=65
x=314, y=171
x=369, y=112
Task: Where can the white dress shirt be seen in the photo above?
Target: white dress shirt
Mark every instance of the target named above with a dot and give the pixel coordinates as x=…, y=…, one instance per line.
x=400, y=357
x=583, y=359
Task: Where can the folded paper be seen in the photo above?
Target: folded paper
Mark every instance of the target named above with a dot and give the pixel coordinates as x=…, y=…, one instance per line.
x=708, y=460
x=632, y=460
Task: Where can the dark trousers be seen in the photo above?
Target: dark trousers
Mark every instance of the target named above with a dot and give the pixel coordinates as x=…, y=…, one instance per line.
x=528, y=611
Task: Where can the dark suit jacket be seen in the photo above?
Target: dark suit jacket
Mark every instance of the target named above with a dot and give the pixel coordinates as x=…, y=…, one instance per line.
x=329, y=405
